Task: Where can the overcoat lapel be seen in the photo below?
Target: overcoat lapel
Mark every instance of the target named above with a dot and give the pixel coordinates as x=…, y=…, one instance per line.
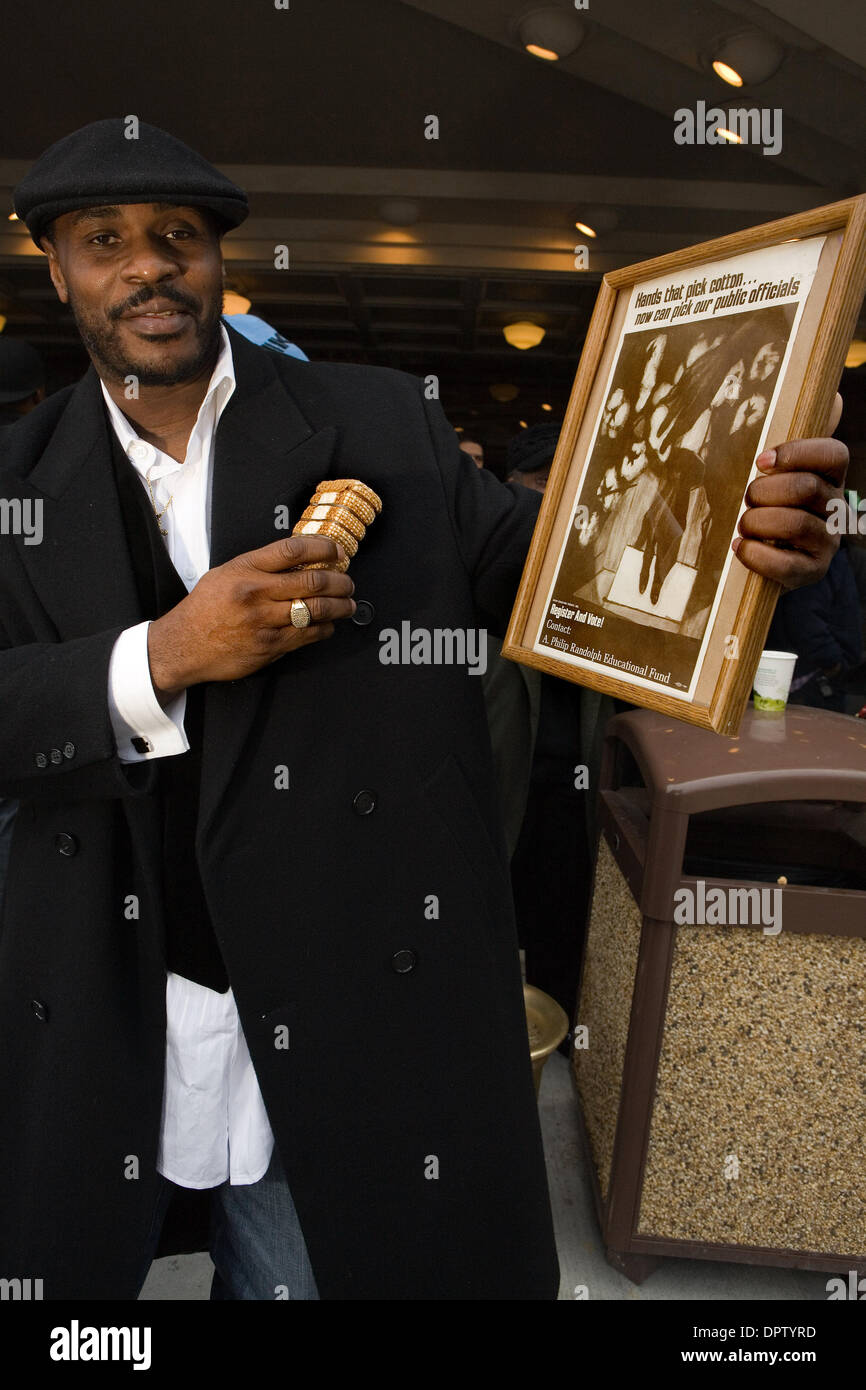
x=268, y=456
x=82, y=570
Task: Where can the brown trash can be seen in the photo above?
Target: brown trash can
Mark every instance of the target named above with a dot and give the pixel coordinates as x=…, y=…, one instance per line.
x=720, y=1063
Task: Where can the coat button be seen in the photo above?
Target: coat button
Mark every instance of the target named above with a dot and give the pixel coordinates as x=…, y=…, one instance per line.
x=41, y=760
x=364, y=803
x=40, y=1010
x=69, y=750
x=66, y=844
x=56, y=756
x=403, y=961
x=364, y=613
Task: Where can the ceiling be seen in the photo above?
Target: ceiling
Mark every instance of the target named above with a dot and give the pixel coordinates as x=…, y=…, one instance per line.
x=319, y=111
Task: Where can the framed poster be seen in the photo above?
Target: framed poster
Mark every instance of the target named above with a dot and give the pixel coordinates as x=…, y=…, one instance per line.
x=693, y=364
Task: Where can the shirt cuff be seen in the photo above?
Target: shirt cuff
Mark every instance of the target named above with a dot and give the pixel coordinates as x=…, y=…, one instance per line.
x=143, y=729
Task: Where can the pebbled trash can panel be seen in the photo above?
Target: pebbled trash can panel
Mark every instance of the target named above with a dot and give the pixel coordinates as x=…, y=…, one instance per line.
x=723, y=1096
x=610, y=967
x=758, y=1130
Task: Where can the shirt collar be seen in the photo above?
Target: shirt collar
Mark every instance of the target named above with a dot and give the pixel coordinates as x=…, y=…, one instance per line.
x=219, y=392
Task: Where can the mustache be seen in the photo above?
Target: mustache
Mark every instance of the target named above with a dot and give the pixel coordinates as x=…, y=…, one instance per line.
x=147, y=293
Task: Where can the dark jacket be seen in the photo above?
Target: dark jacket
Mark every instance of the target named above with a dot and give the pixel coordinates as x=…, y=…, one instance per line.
x=378, y=929
x=822, y=623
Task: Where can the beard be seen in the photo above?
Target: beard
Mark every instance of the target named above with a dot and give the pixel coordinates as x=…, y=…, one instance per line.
x=116, y=361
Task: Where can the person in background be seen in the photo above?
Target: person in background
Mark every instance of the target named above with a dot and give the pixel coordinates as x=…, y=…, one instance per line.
x=823, y=625
x=530, y=455
x=22, y=380
x=472, y=447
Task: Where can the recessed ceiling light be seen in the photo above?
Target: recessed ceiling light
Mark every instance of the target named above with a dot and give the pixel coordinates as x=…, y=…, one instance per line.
x=550, y=33
x=594, y=219
x=524, y=334
x=545, y=406
x=729, y=135
x=523, y=425
x=13, y=217
x=748, y=59
x=727, y=74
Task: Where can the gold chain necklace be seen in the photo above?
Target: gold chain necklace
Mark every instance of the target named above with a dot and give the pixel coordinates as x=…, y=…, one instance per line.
x=158, y=514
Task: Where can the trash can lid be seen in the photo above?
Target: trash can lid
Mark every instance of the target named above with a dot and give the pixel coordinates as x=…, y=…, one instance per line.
x=803, y=754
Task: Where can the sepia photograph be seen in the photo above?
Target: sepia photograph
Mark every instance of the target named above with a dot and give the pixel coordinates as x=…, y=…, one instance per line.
x=664, y=485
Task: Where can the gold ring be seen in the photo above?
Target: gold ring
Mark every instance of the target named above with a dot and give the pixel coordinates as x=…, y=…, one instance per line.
x=301, y=616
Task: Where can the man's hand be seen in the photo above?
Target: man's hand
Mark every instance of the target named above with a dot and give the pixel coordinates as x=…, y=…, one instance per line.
x=788, y=505
x=238, y=617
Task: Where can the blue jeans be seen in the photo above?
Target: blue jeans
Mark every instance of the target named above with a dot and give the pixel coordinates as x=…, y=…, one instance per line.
x=256, y=1242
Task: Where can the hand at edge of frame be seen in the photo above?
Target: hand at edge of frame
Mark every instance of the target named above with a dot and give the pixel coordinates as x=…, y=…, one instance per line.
x=783, y=533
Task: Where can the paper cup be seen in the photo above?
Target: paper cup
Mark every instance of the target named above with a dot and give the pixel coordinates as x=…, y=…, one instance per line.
x=773, y=680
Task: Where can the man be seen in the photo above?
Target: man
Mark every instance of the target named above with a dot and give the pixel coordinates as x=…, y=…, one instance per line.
x=530, y=454
x=22, y=380
x=473, y=449
x=258, y=934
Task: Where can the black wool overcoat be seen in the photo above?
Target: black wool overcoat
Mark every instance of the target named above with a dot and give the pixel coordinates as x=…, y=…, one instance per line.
x=373, y=933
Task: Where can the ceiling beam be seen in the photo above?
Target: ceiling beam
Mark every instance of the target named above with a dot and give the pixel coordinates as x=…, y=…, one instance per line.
x=776, y=198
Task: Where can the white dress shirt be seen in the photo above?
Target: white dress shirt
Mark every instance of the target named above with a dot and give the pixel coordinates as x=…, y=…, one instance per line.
x=214, y=1124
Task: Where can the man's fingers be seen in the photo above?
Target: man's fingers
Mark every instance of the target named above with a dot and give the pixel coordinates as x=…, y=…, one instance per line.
x=784, y=531
x=791, y=546
x=829, y=457
x=786, y=524
x=291, y=639
x=835, y=414
x=290, y=551
x=322, y=610
x=806, y=491
x=791, y=568
x=304, y=636
x=307, y=584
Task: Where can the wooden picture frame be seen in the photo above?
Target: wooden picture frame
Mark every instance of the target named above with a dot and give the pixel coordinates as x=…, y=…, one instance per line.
x=748, y=354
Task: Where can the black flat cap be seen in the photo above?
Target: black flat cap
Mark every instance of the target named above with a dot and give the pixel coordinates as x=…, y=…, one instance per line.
x=98, y=165
x=534, y=448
